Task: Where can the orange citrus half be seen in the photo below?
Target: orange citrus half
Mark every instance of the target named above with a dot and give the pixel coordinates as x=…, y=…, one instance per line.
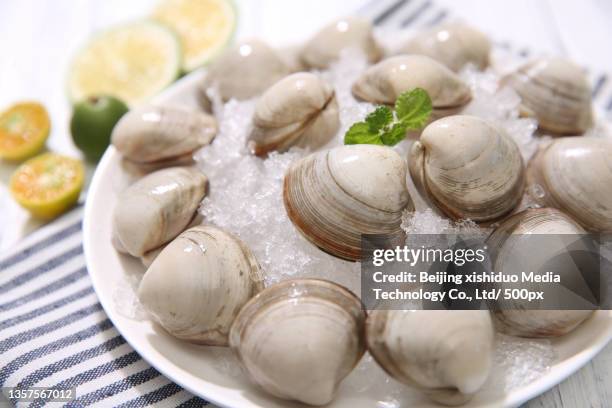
x=48, y=184
x=24, y=128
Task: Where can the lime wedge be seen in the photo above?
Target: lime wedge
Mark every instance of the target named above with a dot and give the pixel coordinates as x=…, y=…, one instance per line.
x=48, y=184
x=132, y=62
x=204, y=27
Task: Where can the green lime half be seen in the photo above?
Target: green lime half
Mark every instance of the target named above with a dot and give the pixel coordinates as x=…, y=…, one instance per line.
x=204, y=27
x=132, y=62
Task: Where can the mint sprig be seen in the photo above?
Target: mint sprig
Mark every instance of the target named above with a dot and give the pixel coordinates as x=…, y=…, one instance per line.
x=385, y=126
x=379, y=118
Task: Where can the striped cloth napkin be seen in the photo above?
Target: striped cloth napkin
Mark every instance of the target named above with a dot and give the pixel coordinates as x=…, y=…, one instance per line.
x=53, y=330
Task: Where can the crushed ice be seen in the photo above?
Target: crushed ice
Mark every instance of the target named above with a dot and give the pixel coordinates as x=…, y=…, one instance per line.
x=518, y=362
x=246, y=199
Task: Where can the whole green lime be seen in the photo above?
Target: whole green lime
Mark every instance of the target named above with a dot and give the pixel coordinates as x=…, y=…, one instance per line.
x=92, y=123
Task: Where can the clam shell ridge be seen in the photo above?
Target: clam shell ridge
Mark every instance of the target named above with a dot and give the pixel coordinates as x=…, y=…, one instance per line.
x=333, y=197
x=575, y=175
x=156, y=208
x=556, y=92
x=299, y=110
x=468, y=168
x=447, y=354
x=243, y=71
x=513, y=317
x=198, y=283
x=384, y=82
x=157, y=134
x=299, y=338
x=325, y=46
x=452, y=44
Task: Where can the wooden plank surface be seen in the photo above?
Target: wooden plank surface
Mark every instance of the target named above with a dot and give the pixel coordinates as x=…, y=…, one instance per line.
x=591, y=387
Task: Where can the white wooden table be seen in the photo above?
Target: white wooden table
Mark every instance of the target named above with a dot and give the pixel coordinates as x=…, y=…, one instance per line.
x=38, y=37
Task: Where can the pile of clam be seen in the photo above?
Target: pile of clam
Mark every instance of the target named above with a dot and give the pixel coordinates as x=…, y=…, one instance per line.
x=299, y=338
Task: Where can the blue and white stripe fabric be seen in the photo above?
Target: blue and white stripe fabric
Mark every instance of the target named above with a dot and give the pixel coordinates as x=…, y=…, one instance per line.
x=53, y=330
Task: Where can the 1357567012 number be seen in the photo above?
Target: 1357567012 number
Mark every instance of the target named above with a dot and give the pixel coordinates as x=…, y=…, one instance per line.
x=31, y=394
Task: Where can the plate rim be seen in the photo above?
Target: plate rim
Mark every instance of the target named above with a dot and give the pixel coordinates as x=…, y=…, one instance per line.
x=564, y=369
x=88, y=248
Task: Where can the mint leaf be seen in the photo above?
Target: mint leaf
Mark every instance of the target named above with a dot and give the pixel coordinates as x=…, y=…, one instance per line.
x=379, y=118
x=360, y=133
x=394, y=135
x=385, y=127
x=413, y=108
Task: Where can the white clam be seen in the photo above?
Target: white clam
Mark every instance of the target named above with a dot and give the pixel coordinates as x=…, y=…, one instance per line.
x=299, y=110
x=291, y=56
x=148, y=257
x=556, y=92
x=243, y=72
x=384, y=82
x=156, y=208
x=152, y=137
x=468, y=168
x=447, y=354
x=515, y=236
x=333, y=197
x=452, y=44
x=198, y=283
x=299, y=338
x=574, y=175
x=325, y=46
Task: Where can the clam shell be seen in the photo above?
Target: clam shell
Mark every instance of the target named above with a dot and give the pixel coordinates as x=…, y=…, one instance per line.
x=325, y=46
x=243, y=72
x=384, y=82
x=137, y=170
x=513, y=316
x=292, y=57
x=452, y=44
x=299, y=110
x=468, y=168
x=574, y=175
x=333, y=197
x=157, y=136
x=539, y=323
x=148, y=257
x=299, y=338
x=447, y=354
x=156, y=208
x=556, y=92
x=198, y=283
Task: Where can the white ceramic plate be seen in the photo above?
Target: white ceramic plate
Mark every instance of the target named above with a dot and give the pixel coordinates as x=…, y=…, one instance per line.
x=197, y=369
